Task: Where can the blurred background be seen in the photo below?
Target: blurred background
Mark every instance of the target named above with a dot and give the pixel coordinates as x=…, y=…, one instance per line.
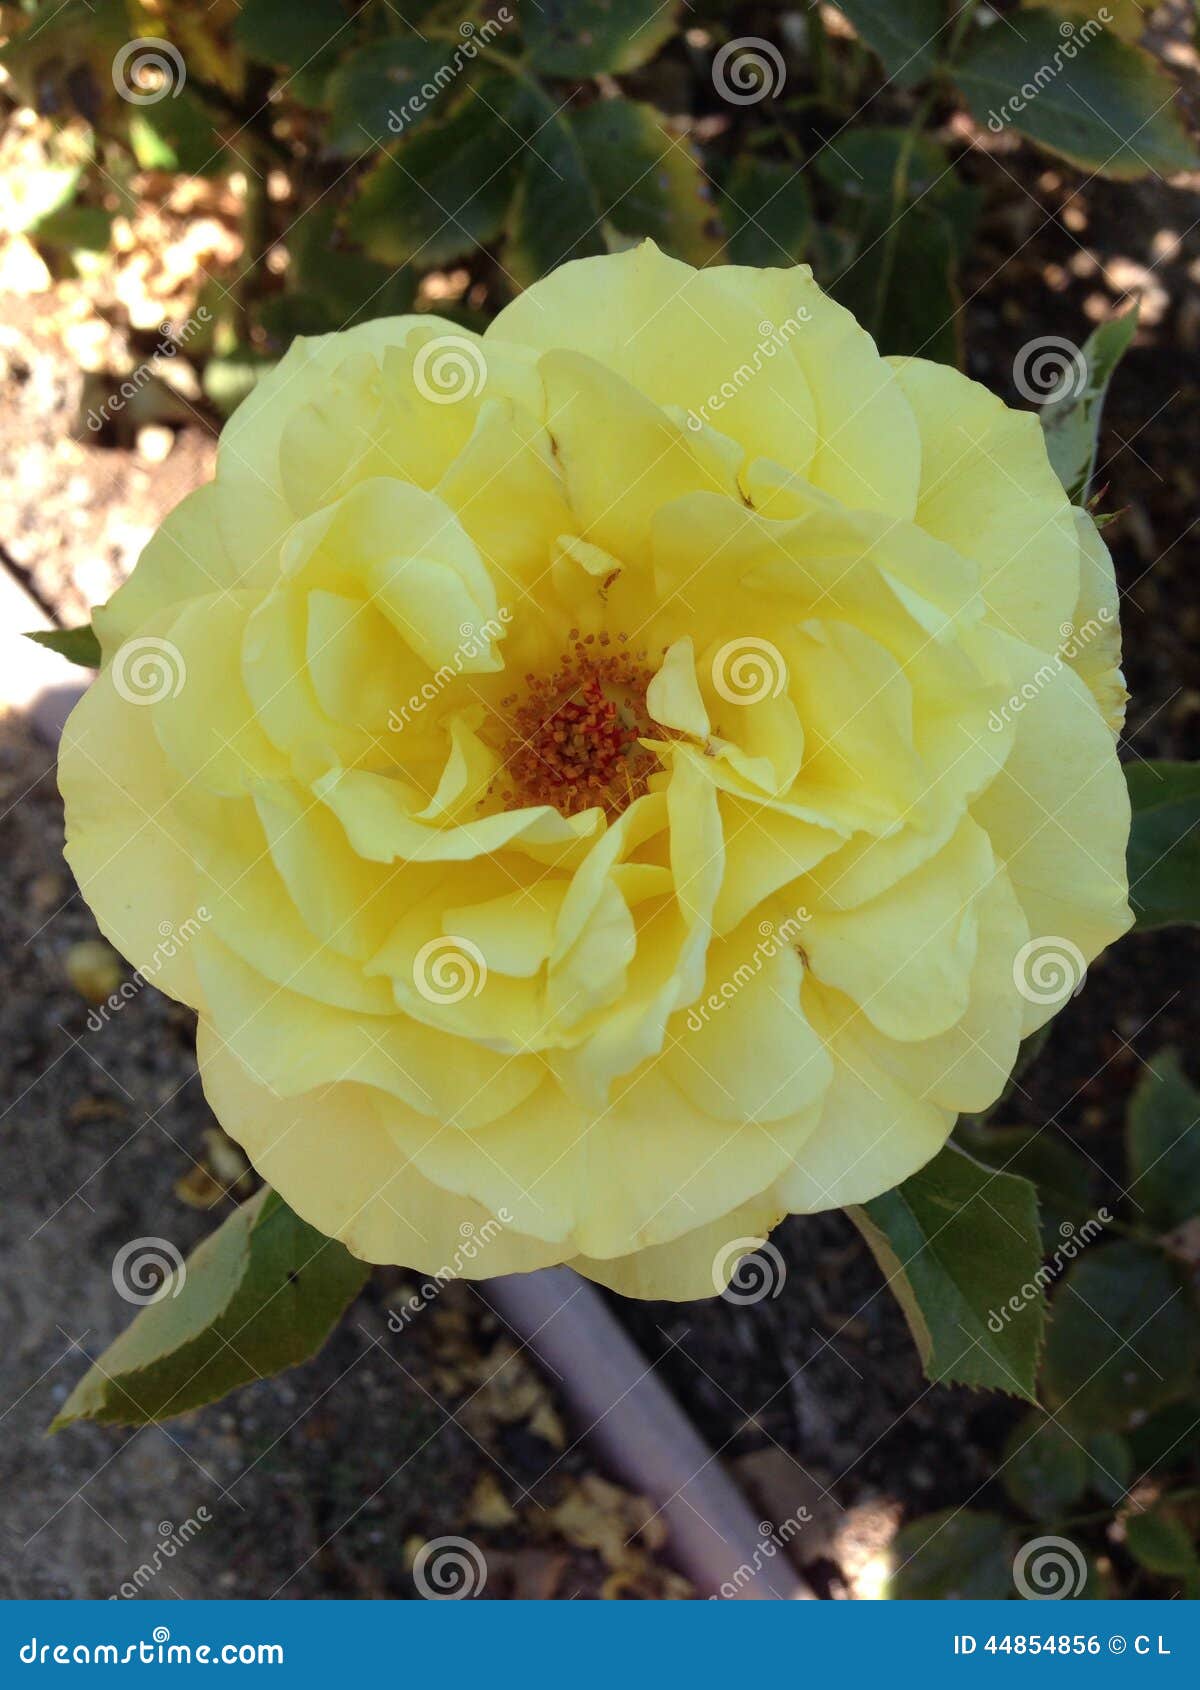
x=185, y=188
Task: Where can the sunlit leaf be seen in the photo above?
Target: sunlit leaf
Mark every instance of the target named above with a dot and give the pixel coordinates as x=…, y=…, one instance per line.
x=959, y=1245
x=1071, y=419
x=258, y=1295
x=77, y=645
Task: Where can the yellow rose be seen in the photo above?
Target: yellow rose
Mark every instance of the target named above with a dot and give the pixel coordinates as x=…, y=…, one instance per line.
x=612, y=782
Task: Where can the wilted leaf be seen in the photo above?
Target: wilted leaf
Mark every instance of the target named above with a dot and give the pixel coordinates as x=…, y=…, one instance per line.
x=1164, y=1144
x=1071, y=420
x=1123, y=1339
x=1102, y=104
x=959, y=1245
x=1164, y=842
x=258, y=1295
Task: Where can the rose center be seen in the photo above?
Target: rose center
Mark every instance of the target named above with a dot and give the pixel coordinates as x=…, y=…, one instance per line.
x=575, y=733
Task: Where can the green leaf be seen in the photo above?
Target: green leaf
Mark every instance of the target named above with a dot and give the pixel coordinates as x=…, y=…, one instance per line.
x=907, y=34
x=554, y=214
x=76, y=228
x=1044, y=1469
x=1160, y=1542
x=959, y=1246
x=1062, y=1177
x=1109, y=1466
x=1071, y=419
x=230, y=376
x=1164, y=842
x=581, y=38
x=177, y=134
x=386, y=88
x=258, y=1295
x=78, y=645
x=1169, y=1437
x=288, y=33
x=1123, y=1339
x=954, y=1554
x=446, y=189
x=909, y=219
x=768, y=212
x=1104, y=105
x=648, y=181
x=1163, y=1138
x=333, y=288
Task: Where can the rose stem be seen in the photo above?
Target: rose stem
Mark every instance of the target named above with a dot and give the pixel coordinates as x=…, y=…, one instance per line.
x=643, y=1435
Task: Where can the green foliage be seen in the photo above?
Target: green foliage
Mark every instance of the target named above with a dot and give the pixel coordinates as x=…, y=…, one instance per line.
x=1124, y=1339
x=258, y=1295
x=907, y=36
x=958, y=1243
x=1045, y=1469
x=1164, y=842
x=1164, y=1145
x=1102, y=104
x=78, y=645
x=1071, y=420
x=580, y=38
x=958, y=1553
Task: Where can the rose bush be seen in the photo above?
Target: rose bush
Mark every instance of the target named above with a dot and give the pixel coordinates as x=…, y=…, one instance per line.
x=624, y=761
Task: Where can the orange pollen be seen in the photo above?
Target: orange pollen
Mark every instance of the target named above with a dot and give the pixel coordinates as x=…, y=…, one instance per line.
x=576, y=733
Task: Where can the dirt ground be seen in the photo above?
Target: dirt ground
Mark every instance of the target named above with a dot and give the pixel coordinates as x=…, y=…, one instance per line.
x=323, y=1482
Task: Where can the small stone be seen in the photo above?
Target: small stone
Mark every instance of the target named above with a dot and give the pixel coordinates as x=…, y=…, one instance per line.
x=94, y=969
